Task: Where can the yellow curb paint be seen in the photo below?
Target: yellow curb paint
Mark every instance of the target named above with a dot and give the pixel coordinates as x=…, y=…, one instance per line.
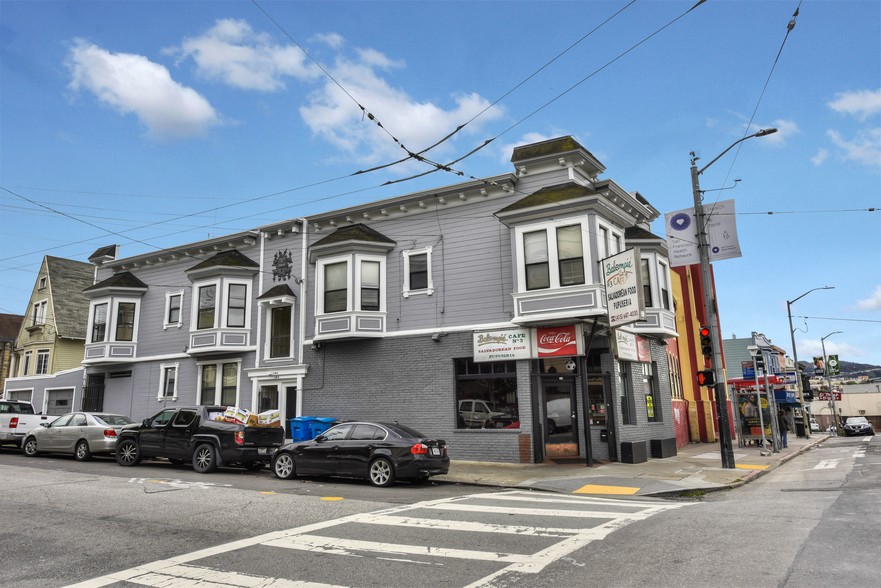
x=266, y=492
x=746, y=466
x=597, y=489
x=332, y=498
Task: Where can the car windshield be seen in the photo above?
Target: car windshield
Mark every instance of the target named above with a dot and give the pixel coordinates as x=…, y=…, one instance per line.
x=113, y=420
x=403, y=431
x=857, y=421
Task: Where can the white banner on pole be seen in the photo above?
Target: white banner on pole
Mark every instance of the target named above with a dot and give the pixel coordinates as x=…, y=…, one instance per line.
x=721, y=226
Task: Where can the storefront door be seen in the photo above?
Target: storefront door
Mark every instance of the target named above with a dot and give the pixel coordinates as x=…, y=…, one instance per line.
x=561, y=418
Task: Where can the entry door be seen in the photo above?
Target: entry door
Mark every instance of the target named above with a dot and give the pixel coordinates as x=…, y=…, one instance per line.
x=290, y=407
x=561, y=418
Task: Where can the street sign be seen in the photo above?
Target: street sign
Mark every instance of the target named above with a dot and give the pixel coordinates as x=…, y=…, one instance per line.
x=748, y=370
x=828, y=396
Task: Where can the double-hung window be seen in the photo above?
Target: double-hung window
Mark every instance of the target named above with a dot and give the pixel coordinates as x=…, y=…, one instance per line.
x=663, y=277
x=207, y=307
x=417, y=272
x=168, y=381
x=336, y=293
x=173, y=305
x=351, y=284
x=125, y=321
x=26, y=366
x=39, y=313
x=99, y=323
x=646, y=277
x=370, y=283
x=553, y=255
x=219, y=383
x=280, y=331
x=42, y=361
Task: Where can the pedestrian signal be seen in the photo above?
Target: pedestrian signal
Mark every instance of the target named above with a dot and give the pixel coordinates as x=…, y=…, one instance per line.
x=706, y=378
x=706, y=342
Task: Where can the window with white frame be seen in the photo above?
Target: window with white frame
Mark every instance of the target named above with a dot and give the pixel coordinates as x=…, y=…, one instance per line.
x=39, y=317
x=350, y=283
x=173, y=309
x=219, y=383
x=280, y=331
x=42, y=361
x=26, y=365
x=663, y=285
x=20, y=395
x=552, y=254
x=113, y=320
x=43, y=282
x=608, y=241
x=646, y=277
x=168, y=380
x=417, y=272
x=222, y=304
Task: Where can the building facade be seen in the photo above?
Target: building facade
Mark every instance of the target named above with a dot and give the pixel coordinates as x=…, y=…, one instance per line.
x=473, y=312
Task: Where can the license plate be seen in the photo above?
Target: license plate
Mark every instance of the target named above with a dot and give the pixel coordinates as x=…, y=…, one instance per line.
x=262, y=450
x=435, y=451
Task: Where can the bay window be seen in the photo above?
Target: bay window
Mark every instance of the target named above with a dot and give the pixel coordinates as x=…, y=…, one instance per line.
x=336, y=287
x=369, y=285
x=236, y=304
x=207, y=305
x=99, y=323
x=646, y=277
x=553, y=255
x=125, y=321
x=351, y=284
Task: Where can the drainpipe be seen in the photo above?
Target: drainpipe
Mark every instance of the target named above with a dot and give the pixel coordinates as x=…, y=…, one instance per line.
x=303, y=289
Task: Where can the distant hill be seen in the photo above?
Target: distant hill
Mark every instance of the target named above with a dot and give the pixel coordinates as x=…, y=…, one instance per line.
x=849, y=368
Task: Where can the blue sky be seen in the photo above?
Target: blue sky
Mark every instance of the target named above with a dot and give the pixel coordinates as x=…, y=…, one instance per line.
x=152, y=124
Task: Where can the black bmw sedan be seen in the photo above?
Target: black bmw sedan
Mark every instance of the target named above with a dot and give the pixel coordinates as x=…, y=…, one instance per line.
x=379, y=452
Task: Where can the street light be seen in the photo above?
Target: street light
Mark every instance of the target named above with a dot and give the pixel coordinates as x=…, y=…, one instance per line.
x=829, y=380
x=801, y=393
x=720, y=388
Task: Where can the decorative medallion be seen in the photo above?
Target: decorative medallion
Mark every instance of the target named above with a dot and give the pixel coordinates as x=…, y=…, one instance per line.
x=281, y=266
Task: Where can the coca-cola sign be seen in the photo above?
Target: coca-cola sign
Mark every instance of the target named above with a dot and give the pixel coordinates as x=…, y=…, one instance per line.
x=558, y=341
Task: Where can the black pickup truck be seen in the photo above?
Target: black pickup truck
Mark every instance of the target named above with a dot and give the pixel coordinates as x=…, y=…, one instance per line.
x=192, y=434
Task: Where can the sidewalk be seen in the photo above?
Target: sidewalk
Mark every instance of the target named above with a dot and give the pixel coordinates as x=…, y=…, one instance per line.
x=696, y=468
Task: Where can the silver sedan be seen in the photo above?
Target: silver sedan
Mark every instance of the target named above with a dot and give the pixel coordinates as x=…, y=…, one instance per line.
x=81, y=434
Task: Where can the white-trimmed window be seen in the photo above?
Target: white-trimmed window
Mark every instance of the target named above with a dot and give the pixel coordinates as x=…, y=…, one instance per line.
x=114, y=320
x=608, y=241
x=40, y=313
x=26, y=365
x=167, y=381
x=280, y=329
x=173, y=309
x=646, y=278
x=219, y=383
x=42, y=361
x=342, y=289
x=663, y=284
x=43, y=282
x=20, y=395
x=221, y=304
x=417, y=272
x=552, y=254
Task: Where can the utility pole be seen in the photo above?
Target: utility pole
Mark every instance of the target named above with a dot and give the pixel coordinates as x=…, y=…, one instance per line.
x=710, y=307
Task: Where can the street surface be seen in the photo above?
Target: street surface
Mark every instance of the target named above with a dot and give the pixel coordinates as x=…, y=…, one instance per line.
x=814, y=521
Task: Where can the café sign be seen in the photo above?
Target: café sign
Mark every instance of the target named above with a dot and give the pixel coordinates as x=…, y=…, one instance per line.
x=502, y=345
x=623, y=287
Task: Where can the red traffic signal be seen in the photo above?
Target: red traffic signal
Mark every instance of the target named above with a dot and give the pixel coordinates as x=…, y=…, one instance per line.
x=706, y=342
x=706, y=378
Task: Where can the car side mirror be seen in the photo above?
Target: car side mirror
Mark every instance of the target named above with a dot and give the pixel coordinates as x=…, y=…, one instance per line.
x=44, y=424
x=320, y=439
x=146, y=422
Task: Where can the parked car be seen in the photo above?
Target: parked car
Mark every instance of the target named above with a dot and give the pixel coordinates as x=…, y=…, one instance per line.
x=477, y=414
x=16, y=419
x=81, y=434
x=559, y=415
x=192, y=434
x=815, y=426
x=857, y=426
x=378, y=452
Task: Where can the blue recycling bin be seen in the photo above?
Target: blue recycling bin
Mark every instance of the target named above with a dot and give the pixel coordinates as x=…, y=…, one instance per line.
x=318, y=425
x=300, y=430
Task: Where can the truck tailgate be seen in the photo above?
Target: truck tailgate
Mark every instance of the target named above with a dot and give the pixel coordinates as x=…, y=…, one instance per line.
x=264, y=436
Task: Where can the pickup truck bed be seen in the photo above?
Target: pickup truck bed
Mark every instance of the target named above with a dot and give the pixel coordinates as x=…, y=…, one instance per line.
x=192, y=435
x=16, y=419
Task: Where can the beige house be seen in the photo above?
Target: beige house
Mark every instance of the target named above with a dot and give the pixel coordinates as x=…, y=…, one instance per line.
x=856, y=400
x=52, y=335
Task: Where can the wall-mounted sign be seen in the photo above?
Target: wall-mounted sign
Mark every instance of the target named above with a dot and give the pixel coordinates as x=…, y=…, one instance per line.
x=721, y=228
x=559, y=341
x=502, y=345
x=625, y=346
x=623, y=288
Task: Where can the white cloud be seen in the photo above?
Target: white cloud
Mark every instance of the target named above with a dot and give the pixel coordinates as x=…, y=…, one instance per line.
x=821, y=156
x=873, y=302
x=864, y=148
x=233, y=53
x=861, y=104
x=810, y=348
x=132, y=84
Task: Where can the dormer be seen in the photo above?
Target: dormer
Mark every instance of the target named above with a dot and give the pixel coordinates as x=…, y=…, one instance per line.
x=114, y=312
x=660, y=315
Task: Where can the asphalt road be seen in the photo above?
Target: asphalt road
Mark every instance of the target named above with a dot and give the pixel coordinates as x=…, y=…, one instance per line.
x=812, y=522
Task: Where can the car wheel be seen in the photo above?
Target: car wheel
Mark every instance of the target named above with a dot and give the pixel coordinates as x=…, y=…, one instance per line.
x=283, y=466
x=30, y=447
x=382, y=473
x=128, y=453
x=255, y=466
x=81, y=452
x=205, y=459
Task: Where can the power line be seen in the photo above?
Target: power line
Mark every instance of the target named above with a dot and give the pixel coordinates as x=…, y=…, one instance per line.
x=826, y=318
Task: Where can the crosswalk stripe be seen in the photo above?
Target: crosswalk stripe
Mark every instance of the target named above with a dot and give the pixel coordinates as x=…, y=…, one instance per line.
x=578, y=514
x=468, y=526
x=184, y=576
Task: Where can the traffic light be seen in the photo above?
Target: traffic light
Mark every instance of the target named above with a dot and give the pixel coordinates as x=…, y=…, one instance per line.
x=706, y=378
x=706, y=342
x=760, y=361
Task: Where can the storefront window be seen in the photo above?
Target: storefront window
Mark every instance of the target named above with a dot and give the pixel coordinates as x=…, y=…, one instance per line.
x=628, y=408
x=597, y=400
x=486, y=394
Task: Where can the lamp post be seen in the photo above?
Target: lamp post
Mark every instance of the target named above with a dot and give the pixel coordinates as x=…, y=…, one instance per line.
x=829, y=380
x=801, y=393
x=710, y=307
